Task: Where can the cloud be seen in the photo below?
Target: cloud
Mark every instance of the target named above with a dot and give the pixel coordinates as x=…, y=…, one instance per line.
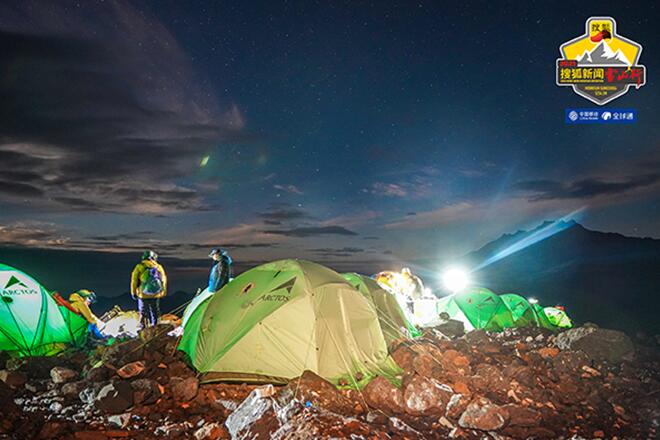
x=283, y=213
x=288, y=188
x=387, y=190
x=585, y=188
x=110, y=118
x=311, y=231
x=340, y=252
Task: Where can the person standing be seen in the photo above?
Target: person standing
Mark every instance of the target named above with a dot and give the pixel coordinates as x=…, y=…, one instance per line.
x=148, y=286
x=221, y=270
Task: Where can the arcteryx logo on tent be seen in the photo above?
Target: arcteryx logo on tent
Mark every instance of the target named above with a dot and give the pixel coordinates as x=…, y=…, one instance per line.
x=288, y=285
x=14, y=286
x=600, y=65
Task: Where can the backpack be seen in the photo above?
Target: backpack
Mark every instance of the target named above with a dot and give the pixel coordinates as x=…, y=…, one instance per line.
x=153, y=284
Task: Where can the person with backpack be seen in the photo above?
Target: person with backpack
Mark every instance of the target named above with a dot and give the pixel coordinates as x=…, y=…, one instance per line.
x=221, y=271
x=148, y=286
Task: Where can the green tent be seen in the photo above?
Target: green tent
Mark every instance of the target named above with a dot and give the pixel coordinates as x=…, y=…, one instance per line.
x=392, y=319
x=477, y=308
x=276, y=320
x=521, y=310
x=543, y=319
x=558, y=317
x=31, y=322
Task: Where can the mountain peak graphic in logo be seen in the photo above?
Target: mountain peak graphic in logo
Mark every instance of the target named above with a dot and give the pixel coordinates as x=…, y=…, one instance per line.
x=13, y=281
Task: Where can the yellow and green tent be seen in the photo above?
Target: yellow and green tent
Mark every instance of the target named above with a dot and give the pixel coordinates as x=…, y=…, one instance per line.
x=279, y=319
x=558, y=317
x=392, y=319
x=31, y=322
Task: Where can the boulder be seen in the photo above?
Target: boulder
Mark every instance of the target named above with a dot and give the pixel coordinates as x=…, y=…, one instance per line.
x=482, y=414
x=381, y=394
x=570, y=362
x=114, y=398
x=62, y=374
x=404, y=356
x=605, y=345
x=522, y=416
x=119, y=420
x=145, y=391
x=259, y=418
x=320, y=393
x=452, y=328
x=14, y=379
x=425, y=396
x=73, y=389
x=184, y=389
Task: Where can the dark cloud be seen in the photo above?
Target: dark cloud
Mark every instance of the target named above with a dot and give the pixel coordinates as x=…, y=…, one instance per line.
x=585, y=188
x=20, y=189
x=312, y=231
x=109, y=118
x=340, y=252
x=283, y=214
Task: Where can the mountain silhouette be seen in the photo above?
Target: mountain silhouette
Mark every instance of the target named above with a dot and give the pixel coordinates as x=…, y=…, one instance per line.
x=606, y=278
x=602, y=54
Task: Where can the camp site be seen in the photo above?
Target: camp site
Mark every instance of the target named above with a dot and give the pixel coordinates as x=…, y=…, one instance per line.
x=324, y=220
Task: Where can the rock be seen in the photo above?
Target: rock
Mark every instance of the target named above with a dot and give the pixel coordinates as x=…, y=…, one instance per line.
x=425, y=396
x=522, y=416
x=131, y=370
x=73, y=389
x=145, y=391
x=90, y=435
x=259, y=418
x=114, y=398
x=98, y=374
x=452, y=328
x=211, y=431
x=599, y=344
x=456, y=406
x=184, y=390
x=13, y=379
x=381, y=394
x=570, y=362
x=424, y=365
x=548, y=352
x=62, y=375
x=404, y=356
x=120, y=420
x=55, y=407
x=320, y=393
x=88, y=394
x=483, y=415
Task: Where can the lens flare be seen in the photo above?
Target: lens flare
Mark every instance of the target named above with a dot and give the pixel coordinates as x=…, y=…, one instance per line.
x=455, y=279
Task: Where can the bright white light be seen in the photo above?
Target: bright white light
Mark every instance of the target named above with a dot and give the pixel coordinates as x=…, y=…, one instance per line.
x=455, y=279
x=532, y=300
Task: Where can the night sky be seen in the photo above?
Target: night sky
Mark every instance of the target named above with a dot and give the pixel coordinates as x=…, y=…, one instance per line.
x=345, y=133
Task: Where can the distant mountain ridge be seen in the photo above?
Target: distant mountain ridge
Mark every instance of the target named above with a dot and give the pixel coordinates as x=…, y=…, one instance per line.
x=605, y=278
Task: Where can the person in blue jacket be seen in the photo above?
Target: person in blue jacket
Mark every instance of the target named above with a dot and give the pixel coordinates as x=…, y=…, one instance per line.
x=221, y=270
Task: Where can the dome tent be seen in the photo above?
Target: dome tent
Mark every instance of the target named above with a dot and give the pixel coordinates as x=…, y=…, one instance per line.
x=393, y=321
x=544, y=321
x=477, y=308
x=558, y=317
x=279, y=319
x=31, y=322
x=521, y=310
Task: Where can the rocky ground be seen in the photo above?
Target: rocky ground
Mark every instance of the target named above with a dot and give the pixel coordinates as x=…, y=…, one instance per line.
x=584, y=383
